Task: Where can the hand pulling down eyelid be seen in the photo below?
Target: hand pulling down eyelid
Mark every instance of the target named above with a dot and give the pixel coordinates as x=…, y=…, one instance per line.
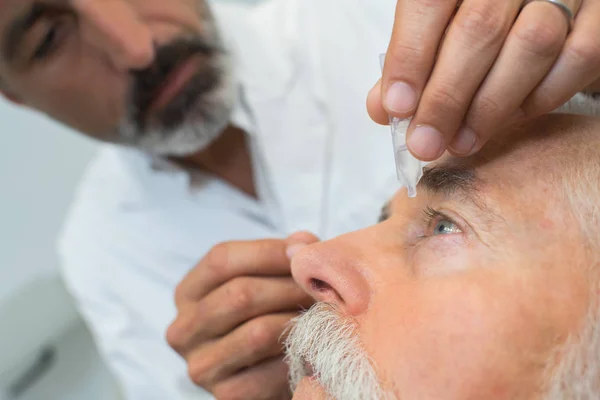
x=408, y=168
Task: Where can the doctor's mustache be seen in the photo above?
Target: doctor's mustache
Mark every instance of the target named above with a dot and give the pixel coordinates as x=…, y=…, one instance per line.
x=148, y=83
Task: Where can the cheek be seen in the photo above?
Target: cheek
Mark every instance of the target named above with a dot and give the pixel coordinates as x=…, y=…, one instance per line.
x=446, y=340
x=446, y=254
x=92, y=97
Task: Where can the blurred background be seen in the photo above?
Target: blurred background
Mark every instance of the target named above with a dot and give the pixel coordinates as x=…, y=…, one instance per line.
x=46, y=352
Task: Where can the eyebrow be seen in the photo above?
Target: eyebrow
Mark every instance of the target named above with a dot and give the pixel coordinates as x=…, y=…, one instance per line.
x=16, y=30
x=446, y=180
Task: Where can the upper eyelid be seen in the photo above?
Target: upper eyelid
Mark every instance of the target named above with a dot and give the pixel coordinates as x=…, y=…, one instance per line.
x=53, y=23
x=435, y=215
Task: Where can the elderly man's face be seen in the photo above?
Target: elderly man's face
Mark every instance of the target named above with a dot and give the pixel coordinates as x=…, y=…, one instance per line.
x=150, y=73
x=465, y=292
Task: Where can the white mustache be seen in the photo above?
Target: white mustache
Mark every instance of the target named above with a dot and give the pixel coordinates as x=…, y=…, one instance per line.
x=327, y=341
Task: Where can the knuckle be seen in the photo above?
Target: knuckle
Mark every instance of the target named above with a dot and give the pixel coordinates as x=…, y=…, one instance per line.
x=483, y=24
x=201, y=373
x=240, y=295
x=405, y=53
x=174, y=337
x=179, y=333
x=185, y=329
x=181, y=291
x=485, y=106
x=261, y=334
x=585, y=51
x=218, y=256
x=541, y=36
x=444, y=101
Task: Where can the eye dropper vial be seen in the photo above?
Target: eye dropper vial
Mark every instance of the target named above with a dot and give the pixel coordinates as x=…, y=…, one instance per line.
x=408, y=168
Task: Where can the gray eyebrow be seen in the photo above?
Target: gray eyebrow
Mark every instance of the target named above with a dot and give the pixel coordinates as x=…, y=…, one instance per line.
x=448, y=179
x=457, y=181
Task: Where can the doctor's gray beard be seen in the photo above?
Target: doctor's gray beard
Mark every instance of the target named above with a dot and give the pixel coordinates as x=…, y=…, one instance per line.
x=328, y=342
x=198, y=114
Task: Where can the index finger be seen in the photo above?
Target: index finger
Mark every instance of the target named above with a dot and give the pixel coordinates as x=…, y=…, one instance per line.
x=418, y=30
x=228, y=260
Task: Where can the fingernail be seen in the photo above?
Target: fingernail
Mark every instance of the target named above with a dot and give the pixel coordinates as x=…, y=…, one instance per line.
x=464, y=142
x=293, y=249
x=401, y=98
x=426, y=142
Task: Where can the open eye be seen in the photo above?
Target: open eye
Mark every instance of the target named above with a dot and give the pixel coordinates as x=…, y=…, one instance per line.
x=445, y=227
x=440, y=224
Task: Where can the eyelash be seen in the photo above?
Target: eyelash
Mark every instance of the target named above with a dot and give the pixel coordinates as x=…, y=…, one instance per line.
x=48, y=44
x=431, y=216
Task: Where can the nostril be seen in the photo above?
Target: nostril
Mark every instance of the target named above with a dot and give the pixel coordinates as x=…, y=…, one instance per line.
x=319, y=286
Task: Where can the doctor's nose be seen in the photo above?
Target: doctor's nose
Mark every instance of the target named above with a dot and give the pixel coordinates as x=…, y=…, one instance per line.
x=115, y=28
x=331, y=272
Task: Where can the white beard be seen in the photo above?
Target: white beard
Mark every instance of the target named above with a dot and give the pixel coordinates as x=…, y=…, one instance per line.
x=328, y=342
x=577, y=376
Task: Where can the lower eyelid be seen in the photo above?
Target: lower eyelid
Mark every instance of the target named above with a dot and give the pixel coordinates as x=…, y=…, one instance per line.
x=455, y=239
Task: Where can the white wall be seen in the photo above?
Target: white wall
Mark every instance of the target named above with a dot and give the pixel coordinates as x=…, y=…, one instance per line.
x=40, y=164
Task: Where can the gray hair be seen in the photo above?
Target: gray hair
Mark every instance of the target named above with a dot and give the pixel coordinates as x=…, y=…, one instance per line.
x=574, y=371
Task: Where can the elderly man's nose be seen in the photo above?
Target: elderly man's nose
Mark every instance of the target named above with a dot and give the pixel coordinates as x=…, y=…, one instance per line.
x=114, y=26
x=329, y=272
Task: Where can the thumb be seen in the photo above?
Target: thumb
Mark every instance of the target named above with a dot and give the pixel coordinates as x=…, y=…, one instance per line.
x=298, y=241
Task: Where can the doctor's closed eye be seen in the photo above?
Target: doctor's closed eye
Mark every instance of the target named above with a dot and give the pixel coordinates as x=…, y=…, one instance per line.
x=39, y=33
x=54, y=28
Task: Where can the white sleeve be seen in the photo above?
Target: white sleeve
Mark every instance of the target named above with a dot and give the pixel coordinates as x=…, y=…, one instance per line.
x=582, y=103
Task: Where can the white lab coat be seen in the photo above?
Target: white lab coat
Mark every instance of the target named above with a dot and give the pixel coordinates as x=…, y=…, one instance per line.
x=136, y=228
x=138, y=225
